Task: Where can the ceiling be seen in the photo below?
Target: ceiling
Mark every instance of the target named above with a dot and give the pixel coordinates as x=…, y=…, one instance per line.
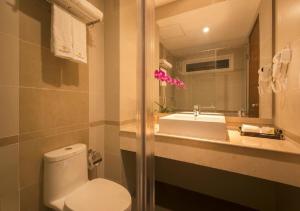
x=230, y=23
x=159, y=3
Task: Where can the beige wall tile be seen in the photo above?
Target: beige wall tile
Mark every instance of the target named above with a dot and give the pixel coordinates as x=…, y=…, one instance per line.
x=38, y=109
x=9, y=17
x=74, y=76
x=96, y=106
x=31, y=198
x=112, y=101
x=54, y=98
x=40, y=68
x=287, y=33
x=96, y=142
x=9, y=111
x=9, y=174
x=31, y=153
x=111, y=56
x=35, y=20
x=9, y=60
x=128, y=59
x=288, y=17
x=287, y=108
x=44, y=109
x=10, y=201
x=113, y=167
x=96, y=72
x=112, y=139
x=30, y=162
x=74, y=108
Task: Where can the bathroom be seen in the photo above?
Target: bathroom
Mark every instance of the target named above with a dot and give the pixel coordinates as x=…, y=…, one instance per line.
x=162, y=104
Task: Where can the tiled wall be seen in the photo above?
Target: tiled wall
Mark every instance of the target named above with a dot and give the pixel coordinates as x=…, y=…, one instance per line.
x=44, y=100
x=51, y=102
x=120, y=87
x=287, y=103
x=96, y=87
x=120, y=81
x=112, y=157
x=54, y=100
x=128, y=62
x=9, y=106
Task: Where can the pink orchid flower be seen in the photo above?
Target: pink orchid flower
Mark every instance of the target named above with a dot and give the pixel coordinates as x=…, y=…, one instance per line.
x=163, y=76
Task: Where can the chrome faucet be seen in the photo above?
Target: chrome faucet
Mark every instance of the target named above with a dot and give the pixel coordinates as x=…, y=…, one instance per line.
x=196, y=110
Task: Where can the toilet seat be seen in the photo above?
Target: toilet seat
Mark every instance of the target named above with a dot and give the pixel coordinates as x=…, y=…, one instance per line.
x=99, y=195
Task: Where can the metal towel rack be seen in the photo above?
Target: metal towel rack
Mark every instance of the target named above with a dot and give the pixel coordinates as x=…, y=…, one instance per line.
x=68, y=8
x=93, y=22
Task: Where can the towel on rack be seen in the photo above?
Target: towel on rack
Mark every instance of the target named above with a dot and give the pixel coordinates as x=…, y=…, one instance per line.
x=265, y=80
x=61, y=33
x=85, y=10
x=280, y=67
x=79, y=41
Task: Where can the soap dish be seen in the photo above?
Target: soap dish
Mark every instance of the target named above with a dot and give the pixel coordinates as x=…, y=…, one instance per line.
x=277, y=136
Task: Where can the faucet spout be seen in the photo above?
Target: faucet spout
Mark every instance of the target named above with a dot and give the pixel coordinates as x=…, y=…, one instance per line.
x=196, y=110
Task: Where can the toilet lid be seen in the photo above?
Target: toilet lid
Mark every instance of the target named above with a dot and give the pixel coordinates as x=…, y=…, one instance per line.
x=99, y=195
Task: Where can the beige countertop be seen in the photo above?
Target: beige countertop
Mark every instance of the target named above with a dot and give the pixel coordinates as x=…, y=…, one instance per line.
x=274, y=160
x=235, y=139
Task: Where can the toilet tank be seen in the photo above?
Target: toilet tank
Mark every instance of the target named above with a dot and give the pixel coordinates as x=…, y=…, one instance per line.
x=65, y=170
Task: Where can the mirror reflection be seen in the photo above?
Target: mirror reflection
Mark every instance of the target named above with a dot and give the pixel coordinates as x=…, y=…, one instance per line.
x=216, y=50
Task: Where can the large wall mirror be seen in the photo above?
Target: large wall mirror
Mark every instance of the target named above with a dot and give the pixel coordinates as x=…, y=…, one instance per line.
x=216, y=48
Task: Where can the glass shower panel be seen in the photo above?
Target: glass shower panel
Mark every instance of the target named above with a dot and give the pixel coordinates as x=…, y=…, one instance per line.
x=128, y=143
x=147, y=93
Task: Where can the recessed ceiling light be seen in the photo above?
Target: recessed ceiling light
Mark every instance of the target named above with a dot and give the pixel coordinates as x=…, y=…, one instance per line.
x=205, y=29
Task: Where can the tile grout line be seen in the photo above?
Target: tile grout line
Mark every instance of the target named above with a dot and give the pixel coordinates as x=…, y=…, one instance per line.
x=50, y=89
x=56, y=134
x=9, y=140
x=53, y=128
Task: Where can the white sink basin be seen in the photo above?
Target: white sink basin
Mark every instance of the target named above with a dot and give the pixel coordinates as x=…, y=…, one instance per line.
x=212, y=127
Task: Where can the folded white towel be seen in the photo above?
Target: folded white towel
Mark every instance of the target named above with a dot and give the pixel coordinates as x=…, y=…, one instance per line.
x=276, y=58
x=250, y=128
x=165, y=64
x=265, y=73
x=268, y=130
x=79, y=41
x=265, y=80
x=61, y=33
x=286, y=56
x=280, y=68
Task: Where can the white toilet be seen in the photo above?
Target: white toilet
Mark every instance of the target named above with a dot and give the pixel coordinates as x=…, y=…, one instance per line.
x=67, y=188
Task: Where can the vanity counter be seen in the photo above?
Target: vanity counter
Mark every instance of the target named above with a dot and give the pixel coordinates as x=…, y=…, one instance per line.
x=235, y=139
x=275, y=160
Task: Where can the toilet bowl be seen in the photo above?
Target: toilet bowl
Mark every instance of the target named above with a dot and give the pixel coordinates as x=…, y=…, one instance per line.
x=67, y=188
